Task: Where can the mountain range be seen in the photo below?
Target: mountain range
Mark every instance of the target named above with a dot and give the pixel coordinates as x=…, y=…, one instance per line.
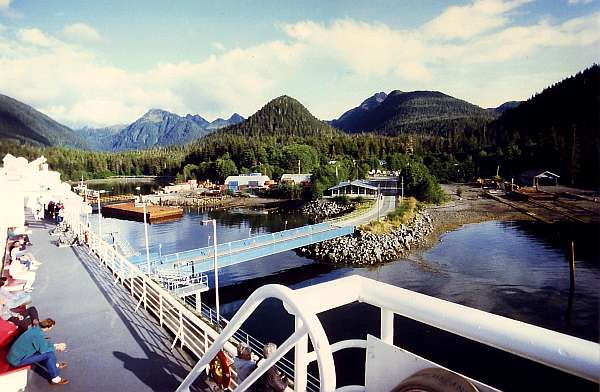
x=160, y=128
x=21, y=122
x=156, y=128
x=424, y=112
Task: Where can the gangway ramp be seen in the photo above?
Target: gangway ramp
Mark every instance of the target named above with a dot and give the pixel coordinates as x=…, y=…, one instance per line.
x=235, y=252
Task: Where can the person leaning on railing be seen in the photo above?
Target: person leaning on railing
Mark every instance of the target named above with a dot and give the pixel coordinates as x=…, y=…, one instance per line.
x=33, y=347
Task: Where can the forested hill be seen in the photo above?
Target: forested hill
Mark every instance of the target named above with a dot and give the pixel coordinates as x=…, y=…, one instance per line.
x=420, y=112
x=506, y=106
x=283, y=116
x=557, y=130
x=349, y=119
x=21, y=122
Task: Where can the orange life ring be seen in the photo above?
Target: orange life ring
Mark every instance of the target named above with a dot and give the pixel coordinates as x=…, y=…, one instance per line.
x=220, y=370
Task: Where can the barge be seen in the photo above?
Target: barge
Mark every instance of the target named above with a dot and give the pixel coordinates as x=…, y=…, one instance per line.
x=135, y=211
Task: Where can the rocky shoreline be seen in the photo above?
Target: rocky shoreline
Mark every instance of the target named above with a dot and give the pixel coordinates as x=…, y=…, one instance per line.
x=324, y=209
x=365, y=248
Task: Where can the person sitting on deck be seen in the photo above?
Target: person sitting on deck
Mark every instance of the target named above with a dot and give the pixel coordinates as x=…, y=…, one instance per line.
x=14, y=308
x=33, y=347
x=18, y=253
x=243, y=363
x=272, y=380
x=19, y=271
x=22, y=316
x=20, y=233
x=17, y=250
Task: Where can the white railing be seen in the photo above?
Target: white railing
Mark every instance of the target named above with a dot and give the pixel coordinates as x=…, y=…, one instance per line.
x=189, y=328
x=284, y=365
x=192, y=329
x=563, y=352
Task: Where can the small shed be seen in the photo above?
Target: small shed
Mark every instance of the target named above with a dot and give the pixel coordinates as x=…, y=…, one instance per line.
x=296, y=179
x=354, y=189
x=538, y=177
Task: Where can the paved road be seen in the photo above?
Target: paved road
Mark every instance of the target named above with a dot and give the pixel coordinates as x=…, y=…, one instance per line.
x=385, y=206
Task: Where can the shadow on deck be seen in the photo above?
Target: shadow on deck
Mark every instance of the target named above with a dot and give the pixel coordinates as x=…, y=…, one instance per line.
x=110, y=347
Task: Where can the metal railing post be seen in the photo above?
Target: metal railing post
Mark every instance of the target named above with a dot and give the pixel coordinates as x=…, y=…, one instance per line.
x=387, y=326
x=160, y=309
x=300, y=360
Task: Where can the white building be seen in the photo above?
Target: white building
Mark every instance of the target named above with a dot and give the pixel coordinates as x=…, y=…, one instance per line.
x=354, y=189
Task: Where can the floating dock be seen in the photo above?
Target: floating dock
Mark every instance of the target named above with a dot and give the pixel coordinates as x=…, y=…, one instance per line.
x=133, y=211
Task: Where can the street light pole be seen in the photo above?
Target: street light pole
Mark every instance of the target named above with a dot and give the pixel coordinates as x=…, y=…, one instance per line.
x=146, y=237
x=99, y=217
x=139, y=189
x=216, y=268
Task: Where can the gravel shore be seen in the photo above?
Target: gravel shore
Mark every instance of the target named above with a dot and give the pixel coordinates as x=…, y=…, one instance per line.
x=459, y=211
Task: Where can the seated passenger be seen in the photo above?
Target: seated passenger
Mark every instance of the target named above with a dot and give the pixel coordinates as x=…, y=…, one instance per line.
x=17, y=250
x=23, y=232
x=18, y=271
x=14, y=307
x=273, y=380
x=33, y=347
x=243, y=363
x=21, y=316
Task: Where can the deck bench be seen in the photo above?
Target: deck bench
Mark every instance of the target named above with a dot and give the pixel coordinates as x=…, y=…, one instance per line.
x=11, y=379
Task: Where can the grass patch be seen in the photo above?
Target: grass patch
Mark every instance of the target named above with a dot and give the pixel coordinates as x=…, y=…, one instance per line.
x=403, y=214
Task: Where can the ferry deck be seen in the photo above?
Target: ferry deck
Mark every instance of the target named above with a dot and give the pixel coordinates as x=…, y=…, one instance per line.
x=124, y=330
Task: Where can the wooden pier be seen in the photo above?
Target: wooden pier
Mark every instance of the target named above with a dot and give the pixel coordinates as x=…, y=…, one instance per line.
x=132, y=211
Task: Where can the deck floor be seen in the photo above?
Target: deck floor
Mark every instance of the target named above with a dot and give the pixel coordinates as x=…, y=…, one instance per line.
x=110, y=347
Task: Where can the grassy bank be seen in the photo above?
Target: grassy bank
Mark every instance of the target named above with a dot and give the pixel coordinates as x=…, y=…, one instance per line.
x=402, y=215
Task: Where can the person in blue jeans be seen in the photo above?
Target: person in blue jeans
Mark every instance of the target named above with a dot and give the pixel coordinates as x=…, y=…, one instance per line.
x=33, y=347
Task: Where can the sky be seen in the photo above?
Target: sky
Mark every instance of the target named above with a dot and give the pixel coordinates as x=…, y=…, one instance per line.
x=98, y=63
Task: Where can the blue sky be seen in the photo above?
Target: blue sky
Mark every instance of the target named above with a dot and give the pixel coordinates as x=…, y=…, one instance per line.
x=107, y=62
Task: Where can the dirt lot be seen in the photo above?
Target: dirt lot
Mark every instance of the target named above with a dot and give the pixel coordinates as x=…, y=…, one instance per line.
x=469, y=208
x=473, y=208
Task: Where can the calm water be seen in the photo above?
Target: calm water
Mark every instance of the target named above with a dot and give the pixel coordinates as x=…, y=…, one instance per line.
x=515, y=269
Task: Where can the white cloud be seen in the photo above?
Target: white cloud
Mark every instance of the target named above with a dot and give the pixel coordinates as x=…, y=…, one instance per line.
x=327, y=66
x=4, y=4
x=471, y=20
x=218, y=45
x=35, y=37
x=81, y=32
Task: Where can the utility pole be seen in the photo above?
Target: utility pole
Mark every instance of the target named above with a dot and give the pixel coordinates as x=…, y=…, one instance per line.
x=402, y=194
x=378, y=198
x=298, y=166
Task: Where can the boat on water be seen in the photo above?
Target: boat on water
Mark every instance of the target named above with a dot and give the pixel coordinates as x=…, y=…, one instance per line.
x=205, y=335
